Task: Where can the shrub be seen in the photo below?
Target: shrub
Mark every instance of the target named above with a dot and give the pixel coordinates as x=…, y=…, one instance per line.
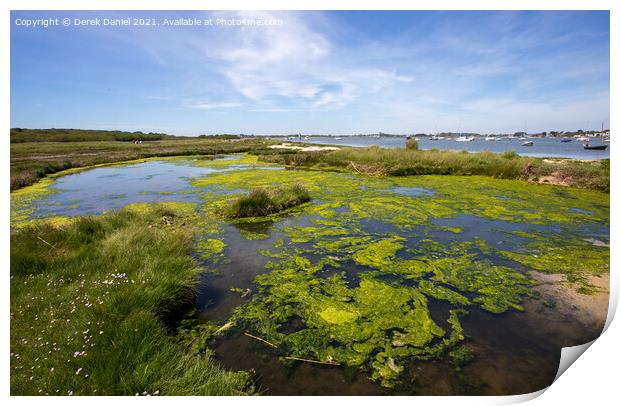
x=262, y=202
x=411, y=144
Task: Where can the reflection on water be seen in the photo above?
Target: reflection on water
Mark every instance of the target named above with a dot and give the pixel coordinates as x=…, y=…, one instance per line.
x=108, y=188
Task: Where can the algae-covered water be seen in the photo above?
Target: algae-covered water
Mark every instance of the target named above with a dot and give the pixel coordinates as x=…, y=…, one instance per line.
x=398, y=285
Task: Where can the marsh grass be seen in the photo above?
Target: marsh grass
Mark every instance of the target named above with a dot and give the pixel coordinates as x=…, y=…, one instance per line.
x=404, y=162
x=263, y=202
x=92, y=303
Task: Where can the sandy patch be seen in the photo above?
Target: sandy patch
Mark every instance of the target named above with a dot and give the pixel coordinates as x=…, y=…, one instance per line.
x=304, y=149
x=555, y=179
x=589, y=311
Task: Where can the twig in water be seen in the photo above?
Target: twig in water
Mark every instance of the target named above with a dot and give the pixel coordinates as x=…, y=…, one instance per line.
x=224, y=328
x=313, y=361
x=260, y=339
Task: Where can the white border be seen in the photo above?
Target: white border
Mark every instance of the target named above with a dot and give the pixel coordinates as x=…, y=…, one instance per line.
x=593, y=380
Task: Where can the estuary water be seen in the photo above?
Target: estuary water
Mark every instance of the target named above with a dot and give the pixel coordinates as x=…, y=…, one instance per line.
x=543, y=147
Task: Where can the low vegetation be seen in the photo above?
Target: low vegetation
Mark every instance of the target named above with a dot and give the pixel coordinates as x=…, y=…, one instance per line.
x=409, y=161
x=263, y=202
x=92, y=303
x=20, y=135
x=411, y=144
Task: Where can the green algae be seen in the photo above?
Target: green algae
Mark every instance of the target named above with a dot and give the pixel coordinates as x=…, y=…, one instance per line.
x=577, y=259
x=210, y=248
x=363, y=297
x=379, y=254
x=333, y=315
x=338, y=325
x=22, y=201
x=253, y=235
x=347, y=328
x=115, y=196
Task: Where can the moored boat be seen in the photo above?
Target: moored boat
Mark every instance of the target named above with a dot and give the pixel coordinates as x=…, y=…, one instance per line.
x=600, y=147
x=528, y=144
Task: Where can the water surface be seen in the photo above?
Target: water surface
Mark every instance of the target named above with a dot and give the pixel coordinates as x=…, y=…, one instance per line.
x=543, y=147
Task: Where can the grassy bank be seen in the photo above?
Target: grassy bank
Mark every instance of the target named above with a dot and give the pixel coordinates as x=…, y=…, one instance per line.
x=404, y=162
x=92, y=301
x=31, y=161
x=262, y=202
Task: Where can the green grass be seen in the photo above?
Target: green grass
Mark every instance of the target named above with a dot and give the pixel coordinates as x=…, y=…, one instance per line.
x=404, y=162
x=262, y=202
x=93, y=304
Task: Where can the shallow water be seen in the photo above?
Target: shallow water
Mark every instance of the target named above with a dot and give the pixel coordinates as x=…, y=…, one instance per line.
x=516, y=351
x=110, y=188
x=411, y=191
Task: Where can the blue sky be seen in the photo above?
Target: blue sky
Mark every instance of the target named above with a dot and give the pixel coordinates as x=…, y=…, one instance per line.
x=317, y=72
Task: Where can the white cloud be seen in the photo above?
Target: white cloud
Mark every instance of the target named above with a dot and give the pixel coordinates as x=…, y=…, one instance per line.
x=293, y=61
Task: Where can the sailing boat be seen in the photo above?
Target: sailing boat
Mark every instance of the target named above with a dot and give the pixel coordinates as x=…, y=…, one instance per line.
x=600, y=147
x=526, y=143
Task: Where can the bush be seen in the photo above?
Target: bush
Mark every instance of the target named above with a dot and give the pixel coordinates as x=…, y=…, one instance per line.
x=262, y=202
x=411, y=144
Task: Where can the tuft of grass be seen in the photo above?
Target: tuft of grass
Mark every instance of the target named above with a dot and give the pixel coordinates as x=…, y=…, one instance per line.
x=411, y=144
x=262, y=202
x=92, y=305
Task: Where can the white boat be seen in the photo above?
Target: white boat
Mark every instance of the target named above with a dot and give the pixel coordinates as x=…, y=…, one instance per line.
x=491, y=139
x=306, y=138
x=464, y=139
x=528, y=144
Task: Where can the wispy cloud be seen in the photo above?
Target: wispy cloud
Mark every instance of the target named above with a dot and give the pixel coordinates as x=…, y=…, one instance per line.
x=212, y=106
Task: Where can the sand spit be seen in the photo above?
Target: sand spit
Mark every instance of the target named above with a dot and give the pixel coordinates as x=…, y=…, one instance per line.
x=304, y=149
